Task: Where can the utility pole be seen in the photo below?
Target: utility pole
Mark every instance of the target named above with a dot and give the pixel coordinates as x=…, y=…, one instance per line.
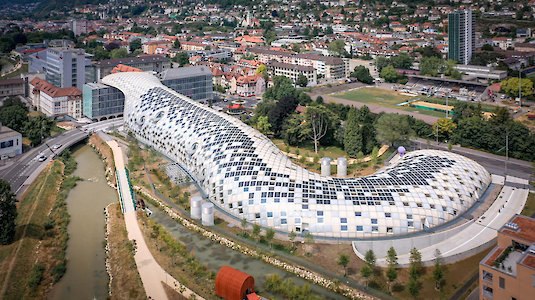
x=506, y=151
x=520, y=88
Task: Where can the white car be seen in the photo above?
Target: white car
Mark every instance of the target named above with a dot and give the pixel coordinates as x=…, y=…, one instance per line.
x=56, y=146
x=42, y=158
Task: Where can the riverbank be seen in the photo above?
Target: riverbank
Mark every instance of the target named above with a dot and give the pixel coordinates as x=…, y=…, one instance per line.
x=35, y=261
x=125, y=282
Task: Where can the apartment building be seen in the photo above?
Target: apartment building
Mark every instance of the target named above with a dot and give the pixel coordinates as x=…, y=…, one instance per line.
x=293, y=72
x=11, y=87
x=508, y=271
x=461, y=36
x=328, y=67
x=101, y=102
x=54, y=101
x=63, y=66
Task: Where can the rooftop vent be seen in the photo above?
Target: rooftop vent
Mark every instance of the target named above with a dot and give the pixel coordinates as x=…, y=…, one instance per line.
x=511, y=226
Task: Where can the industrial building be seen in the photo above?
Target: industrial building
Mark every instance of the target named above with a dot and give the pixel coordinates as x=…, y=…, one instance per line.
x=246, y=176
x=101, y=102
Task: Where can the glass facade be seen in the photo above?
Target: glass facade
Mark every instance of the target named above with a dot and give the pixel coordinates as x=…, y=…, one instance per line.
x=102, y=101
x=196, y=87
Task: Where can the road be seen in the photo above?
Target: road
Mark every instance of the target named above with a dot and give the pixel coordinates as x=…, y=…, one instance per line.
x=21, y=170
x=466, y=242
x=18, y=170
x=495, y=164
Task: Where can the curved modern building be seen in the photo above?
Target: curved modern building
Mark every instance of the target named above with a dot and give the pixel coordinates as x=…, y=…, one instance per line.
x=244, y=174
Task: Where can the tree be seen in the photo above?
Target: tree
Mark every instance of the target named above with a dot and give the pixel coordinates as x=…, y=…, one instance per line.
x=292, y=131
x=392, y=257
x=391, y=274
x=389, y=74
x=431, y=66
x=318, y=122
x=415, y=261
x=182, y=58
x=177, y=44
x=244, y=225
x=302, y=80
x=309, y=238
x=282, y=87
x=429, y=51
x=291, y=236
x=319, y=100
x=414, y=287
x=370, y=258
x=359, y=133
x=280, y=111
x=256, y=230
x=119, y=53
x=393, y=128
x=262, y=124
x=362, y=74
x=270, y=233
x=487, y=47
x=337, y=48
x=402, y=61
x=511, y=86
x=366, y=271
x=382, y=62
x=135, y=44
x=343, y=260
x=451, y=71
x=8, y=213
x=14, y=117
x=261, y=70
x=38, y=128
x=446, y=127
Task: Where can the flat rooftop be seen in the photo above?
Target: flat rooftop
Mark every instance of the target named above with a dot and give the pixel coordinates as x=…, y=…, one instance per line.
x=184, y=72
x=525, y=231
x=6, y=132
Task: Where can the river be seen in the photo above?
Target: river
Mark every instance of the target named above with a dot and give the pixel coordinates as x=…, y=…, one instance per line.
x=86, y=276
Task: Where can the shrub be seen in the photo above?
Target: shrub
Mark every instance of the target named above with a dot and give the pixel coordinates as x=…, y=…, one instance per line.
x=36, y=276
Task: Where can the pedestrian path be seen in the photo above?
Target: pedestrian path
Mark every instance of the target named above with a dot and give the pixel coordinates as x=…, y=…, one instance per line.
x=152, y=274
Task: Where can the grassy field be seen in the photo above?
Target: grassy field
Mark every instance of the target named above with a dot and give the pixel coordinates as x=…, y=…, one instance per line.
x=390, y=98
x=19, y=258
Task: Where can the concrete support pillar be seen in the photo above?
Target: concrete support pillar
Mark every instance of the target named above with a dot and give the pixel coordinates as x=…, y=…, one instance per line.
x=196, y=207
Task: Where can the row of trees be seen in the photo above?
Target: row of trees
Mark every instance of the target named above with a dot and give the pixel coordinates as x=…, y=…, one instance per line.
x=469, y=128
x=357, y=130
x=15, y=115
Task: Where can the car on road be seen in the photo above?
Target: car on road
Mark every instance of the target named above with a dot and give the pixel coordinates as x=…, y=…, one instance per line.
x=56, y=146
x=41, y=157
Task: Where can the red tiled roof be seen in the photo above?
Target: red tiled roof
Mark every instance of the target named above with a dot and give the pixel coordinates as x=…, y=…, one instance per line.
x=125, y=68
x=52, y=90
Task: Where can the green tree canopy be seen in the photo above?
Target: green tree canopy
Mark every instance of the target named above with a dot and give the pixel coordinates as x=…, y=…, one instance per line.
x=389, y=73
x=402, y=61
x=337, y=48
x=362, y=74
x=511, y=86
x=393, y=128
x=431, y=66
x=292, y=130
x=8, y=213
x=135, y=44
x=302, y=80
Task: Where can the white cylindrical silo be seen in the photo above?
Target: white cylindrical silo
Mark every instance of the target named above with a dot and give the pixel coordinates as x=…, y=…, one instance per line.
x=208, y=214
x=326, y=166
x=341, y=167
x=196, y=207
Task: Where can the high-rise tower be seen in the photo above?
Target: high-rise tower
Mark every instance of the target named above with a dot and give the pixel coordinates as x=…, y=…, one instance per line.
x=462, y=36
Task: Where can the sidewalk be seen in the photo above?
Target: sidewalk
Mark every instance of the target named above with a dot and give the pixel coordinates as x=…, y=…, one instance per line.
x=151, y=273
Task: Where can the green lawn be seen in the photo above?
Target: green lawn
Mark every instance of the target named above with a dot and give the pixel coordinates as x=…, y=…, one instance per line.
x=529, y=208
x=390, y=98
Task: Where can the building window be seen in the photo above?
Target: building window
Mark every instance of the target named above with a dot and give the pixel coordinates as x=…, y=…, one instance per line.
x=502, y=282
x=343, y=228
x=374, y=221
x=360, y=228
x=343, y=220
